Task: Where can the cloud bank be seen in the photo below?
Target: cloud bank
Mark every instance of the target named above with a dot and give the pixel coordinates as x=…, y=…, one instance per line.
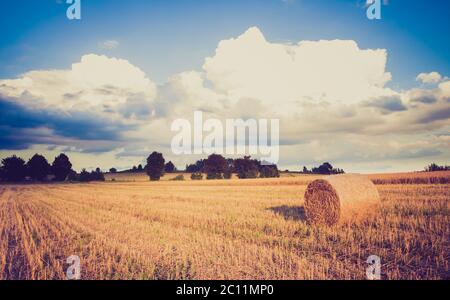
x=332, y=99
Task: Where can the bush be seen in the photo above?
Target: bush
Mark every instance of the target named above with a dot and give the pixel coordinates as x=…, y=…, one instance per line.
x=14, y=169
x=170, y=167
x=96, y=175
x=197, y=176
x=84, y=176
x=214, y=176
x=197, y=167
x=269, y=171
x=155, y=166
x=327, y=169
x=178, y=178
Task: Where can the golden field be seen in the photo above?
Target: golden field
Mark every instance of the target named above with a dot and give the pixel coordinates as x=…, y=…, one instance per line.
x=228, y=229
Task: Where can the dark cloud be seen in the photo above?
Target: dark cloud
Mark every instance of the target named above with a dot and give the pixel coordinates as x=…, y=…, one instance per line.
x=388, y=104
x=426, y=99
x=436, y=115
x=18, y=125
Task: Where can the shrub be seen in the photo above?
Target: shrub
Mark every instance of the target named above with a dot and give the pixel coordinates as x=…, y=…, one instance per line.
x=197, y=167
x=269, y=171
x=197, y=176
x=178, y=178
x=97, y=175
x=214, y=176
x=327, y=169
x=170, y=167
x=84, y=176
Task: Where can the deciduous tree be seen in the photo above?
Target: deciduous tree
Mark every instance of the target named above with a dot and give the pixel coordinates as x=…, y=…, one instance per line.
x=38, y=167
x=61, y=167
x=155, y=166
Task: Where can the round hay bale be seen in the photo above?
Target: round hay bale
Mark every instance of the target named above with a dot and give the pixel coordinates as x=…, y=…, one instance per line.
x=340, y=199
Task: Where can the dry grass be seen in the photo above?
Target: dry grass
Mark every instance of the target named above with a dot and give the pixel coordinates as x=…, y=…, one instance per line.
x=398, y=178
x=413, y=178
x=142, y=177
x=231, y=229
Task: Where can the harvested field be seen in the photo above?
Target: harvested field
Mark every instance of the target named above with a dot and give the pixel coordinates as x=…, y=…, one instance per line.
x=230, y=229
x=442, y=177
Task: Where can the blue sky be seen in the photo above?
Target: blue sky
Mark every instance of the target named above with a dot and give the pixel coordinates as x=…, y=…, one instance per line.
x=165, y=37
x=176, y=56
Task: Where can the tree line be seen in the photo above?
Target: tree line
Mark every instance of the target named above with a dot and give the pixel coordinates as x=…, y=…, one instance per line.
x=215, y=166
x=218, y=167
x=324, y=169
x=436, y=168
x=168, y=168
x=37, y=169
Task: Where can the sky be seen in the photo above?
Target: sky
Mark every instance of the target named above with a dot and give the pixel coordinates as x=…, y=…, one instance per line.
x=366, y=95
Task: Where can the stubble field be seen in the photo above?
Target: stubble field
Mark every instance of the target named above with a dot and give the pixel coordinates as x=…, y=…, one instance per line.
x=230, y=229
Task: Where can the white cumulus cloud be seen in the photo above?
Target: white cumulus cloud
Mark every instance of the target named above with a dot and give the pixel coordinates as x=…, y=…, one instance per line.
x=96, y=84
x=433, y=77
x=332, y=71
